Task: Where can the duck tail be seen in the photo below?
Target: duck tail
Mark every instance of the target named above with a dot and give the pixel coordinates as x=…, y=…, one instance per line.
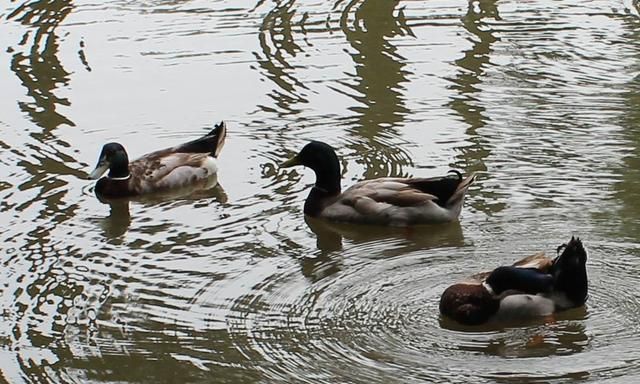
x=219, y=133
x=461, y=190
x=210, y=143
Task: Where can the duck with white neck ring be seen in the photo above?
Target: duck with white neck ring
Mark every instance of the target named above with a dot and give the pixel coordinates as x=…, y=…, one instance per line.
x=190, y=164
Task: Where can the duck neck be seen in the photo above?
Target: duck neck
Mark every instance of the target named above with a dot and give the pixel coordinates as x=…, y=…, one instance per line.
x=119, y=169
x=327, y=186
x=329, y=182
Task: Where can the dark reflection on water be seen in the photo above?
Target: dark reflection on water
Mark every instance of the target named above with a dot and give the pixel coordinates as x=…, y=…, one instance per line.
x=38, y=67
x=278, y=44
x=376, y=86
x=564, y=334
x=330, y=239
x=119, y=219
x=467, y=102
x=380, y=72
x=330, y=235
x=472, y=66
x=163, y=355
x=35, y=62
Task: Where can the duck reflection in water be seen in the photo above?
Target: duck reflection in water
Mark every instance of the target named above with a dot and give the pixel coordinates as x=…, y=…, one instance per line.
x=563, y=336
x=533, y=288
x=119, y=219
x=331, y=235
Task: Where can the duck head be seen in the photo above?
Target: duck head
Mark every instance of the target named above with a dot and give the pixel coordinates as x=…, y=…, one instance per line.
x=114, y=158
x=570, y=273
x=323, y=160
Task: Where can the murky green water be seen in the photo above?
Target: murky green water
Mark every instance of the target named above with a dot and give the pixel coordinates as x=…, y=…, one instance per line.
x=232, y=285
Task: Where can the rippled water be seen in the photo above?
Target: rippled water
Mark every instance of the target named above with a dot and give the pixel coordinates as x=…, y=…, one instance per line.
x=233, y=285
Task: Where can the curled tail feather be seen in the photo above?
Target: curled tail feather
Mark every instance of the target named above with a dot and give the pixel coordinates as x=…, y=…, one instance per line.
x=220, y=131
x=210, y=143
x=461, y=190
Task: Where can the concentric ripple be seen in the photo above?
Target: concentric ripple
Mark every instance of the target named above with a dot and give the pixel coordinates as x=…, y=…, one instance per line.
x=378, y=318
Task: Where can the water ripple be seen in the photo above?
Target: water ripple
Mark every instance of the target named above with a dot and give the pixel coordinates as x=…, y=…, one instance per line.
x=232, y=284
x=380, y=315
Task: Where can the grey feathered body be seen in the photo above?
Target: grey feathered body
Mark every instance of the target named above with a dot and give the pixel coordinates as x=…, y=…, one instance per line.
x=397, y=202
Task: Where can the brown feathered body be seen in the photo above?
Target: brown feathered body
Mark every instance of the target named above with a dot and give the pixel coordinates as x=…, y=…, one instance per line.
x=191, y=164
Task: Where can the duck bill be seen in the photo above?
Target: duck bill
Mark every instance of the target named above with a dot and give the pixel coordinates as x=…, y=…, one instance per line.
x=101, y=168
x=291, y=162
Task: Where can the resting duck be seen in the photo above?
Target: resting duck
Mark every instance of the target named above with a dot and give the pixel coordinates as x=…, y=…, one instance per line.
x=390, y=201
x=533, y=287
x=185, y=165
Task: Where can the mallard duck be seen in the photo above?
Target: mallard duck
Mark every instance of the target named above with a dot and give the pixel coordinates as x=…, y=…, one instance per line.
x=185, y=165
x=533, y=287
x=393, y=201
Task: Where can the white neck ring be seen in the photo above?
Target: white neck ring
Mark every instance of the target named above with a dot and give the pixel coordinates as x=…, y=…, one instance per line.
x=120, y=178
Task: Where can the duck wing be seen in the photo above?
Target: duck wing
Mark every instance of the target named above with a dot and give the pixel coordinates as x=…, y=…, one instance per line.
x=166, y=169
x=401, y=201
x=387, y=191
x=537, y=261
x=210, y=145
x=378, y=201
x=384, y=192
x=449, y=190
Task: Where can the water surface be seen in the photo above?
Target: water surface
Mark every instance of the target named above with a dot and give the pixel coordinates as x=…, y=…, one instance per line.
x=232, y=284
